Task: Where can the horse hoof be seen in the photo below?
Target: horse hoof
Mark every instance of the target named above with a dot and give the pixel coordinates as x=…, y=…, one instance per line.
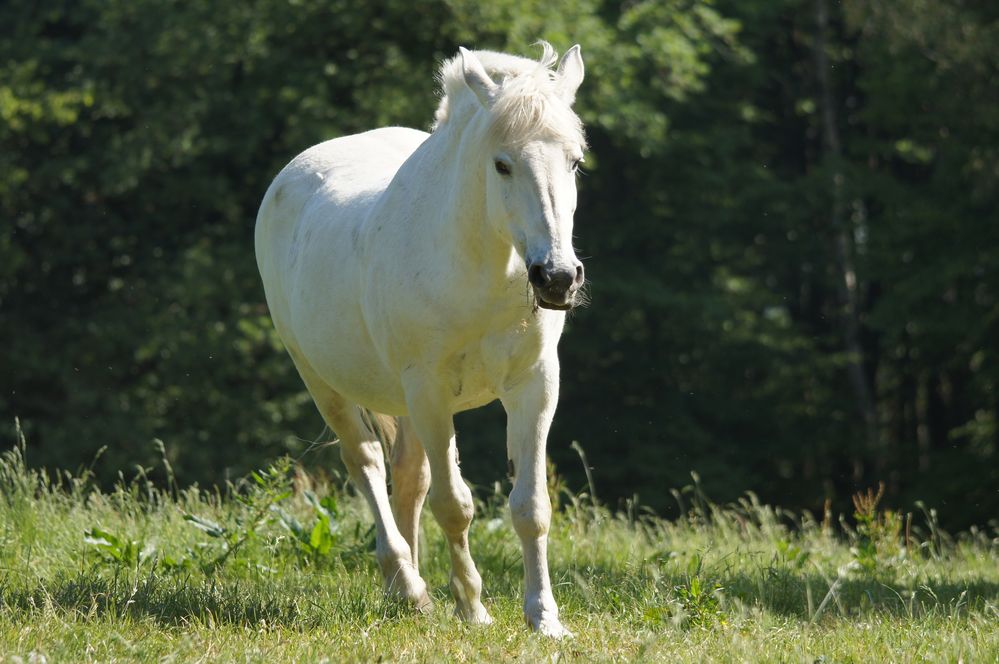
x=549, y=627
x=475, y=616
x=423, y=605
x=406, y=585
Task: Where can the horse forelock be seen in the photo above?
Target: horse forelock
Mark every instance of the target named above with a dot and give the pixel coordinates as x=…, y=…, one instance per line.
x=527, y=105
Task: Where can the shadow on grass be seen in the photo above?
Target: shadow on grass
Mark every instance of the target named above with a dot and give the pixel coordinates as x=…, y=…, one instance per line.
x=779, y=590
x=786, y=592
x=178, y=599
x=354, y=596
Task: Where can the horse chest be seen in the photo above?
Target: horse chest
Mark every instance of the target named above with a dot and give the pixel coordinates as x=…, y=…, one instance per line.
x=485, y=368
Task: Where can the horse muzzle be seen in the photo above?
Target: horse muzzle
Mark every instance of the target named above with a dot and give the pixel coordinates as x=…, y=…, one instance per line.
x=555, y=288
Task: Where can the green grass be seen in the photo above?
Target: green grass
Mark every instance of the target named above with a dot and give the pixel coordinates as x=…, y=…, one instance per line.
x=267, y=572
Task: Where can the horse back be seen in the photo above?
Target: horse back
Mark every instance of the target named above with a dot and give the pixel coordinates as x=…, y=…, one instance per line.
x=327, y=188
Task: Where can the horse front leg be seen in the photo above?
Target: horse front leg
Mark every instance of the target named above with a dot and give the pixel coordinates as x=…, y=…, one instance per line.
x=450, y=498
x=530, y=409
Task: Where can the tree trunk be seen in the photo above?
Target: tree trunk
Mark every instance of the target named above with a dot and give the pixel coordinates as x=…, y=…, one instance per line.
x=842, y=240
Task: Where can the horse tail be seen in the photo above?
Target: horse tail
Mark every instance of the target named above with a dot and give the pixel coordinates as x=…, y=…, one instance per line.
x=385, y=428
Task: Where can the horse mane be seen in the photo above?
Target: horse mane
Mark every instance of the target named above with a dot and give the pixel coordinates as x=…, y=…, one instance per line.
x=527, y=106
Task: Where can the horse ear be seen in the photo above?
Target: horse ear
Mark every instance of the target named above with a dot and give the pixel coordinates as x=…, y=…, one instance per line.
x=476, y=77
x=570, y=72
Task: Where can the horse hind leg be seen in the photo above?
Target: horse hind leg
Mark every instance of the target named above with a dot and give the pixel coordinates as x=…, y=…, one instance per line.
x=410, y=483
x=362, y=455
x=450, y=498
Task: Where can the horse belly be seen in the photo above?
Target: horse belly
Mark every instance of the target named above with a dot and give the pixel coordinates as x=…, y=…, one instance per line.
x=309, y=251
x=333, y=336
x=359, y=377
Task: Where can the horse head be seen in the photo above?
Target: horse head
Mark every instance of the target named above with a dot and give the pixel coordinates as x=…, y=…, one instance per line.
x=534, y=147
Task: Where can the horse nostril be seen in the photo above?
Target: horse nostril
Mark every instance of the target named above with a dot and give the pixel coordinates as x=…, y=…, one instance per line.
x=578, y=281
x=538, y=275
x=560, y=281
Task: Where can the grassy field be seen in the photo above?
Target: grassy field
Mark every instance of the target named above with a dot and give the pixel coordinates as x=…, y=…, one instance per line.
x=279, y=569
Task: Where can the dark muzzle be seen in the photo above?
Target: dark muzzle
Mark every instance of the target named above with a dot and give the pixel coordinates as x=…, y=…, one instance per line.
x=555, y=288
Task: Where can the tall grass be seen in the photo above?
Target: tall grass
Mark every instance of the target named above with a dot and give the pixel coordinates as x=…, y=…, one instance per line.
x=277, y=566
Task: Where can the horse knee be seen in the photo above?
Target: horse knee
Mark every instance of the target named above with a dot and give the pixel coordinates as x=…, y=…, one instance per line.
x=452, y=509
x=531, y=514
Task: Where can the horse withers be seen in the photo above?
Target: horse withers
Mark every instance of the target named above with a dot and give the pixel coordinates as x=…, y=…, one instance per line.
x=412, y=276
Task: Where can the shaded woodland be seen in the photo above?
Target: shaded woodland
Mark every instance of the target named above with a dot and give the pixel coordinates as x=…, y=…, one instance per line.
x=788, y=216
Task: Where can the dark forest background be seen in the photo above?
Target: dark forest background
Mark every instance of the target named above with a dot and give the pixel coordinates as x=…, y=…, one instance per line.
x=789, y=218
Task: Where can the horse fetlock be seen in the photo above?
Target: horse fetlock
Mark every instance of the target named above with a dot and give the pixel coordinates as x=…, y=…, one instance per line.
x=472, y=612
x=404, y=582
x=467, y=592
x=541, y=614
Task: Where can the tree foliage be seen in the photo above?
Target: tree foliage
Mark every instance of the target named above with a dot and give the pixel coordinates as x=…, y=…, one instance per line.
x=731, y=245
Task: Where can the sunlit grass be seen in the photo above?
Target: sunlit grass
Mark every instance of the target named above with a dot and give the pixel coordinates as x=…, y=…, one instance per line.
x=142, y=573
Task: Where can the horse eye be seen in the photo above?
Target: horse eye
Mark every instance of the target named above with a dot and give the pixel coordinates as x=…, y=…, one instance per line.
x=502, y=168
x=575, y=165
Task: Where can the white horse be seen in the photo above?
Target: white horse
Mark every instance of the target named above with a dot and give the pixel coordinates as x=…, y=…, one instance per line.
x=413, y=276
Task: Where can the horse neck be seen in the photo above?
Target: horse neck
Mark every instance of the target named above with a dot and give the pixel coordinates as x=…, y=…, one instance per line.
x=455, y=161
